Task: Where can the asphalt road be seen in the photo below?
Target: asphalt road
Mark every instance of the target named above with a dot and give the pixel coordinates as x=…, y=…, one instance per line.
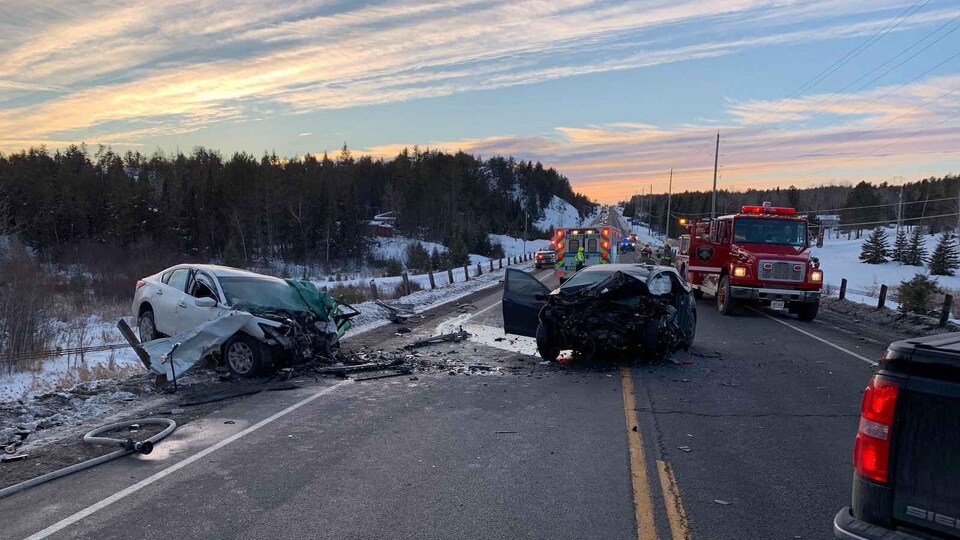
x=749, y=435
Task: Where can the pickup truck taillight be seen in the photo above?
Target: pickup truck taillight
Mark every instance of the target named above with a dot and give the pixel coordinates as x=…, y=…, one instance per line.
x=871, y=453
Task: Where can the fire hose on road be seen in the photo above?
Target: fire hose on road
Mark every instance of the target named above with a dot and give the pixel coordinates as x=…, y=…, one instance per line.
x=127, y=446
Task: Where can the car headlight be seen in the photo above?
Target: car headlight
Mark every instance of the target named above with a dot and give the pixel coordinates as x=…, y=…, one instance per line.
x=660, y=284
x=739, y=271
x=816, y=275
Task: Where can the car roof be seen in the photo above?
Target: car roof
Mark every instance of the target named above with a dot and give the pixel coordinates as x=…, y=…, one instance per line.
x=225, y=271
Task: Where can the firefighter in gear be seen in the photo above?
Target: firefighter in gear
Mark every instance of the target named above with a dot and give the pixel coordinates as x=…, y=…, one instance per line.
x=666, y=258
x=580, y=258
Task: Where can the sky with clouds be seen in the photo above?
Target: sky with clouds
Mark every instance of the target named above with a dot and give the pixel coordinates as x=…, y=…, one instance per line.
x=613, y=94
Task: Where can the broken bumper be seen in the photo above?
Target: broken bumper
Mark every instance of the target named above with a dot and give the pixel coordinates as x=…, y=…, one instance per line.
x=847, y=527
x=786, y=295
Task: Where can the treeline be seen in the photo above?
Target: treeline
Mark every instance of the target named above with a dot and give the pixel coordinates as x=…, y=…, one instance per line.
x=314, y=208
x=933, y=203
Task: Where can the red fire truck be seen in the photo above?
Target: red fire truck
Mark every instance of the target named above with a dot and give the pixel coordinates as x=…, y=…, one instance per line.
x=760, y=255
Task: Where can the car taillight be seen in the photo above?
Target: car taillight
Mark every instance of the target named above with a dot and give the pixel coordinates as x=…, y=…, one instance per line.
x=140, y=283
x=871, y=453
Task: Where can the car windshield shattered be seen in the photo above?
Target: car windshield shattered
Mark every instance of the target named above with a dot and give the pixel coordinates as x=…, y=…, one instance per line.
x=254, y=293
x=770, y=231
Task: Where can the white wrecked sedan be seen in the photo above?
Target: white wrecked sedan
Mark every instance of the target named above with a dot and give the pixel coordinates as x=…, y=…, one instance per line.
x=282, y=320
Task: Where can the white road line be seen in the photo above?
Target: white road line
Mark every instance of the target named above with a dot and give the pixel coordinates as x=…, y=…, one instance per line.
x=96, y=507
x=818, y=338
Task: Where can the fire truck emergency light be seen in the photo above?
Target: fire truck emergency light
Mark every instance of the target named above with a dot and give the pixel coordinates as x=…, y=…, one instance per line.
x=767, y=209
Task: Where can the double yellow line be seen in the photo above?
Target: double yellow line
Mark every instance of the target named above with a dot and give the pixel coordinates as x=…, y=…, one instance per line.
x=643, y=505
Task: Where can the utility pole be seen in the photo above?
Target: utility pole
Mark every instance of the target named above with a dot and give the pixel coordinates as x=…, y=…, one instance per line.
x=650, y=212
x=716, y=161
x=669, y=196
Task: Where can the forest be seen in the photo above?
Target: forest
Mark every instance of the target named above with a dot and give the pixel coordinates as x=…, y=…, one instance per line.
x=237, y=209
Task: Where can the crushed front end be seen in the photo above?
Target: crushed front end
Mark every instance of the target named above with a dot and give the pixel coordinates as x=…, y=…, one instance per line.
x=620, y=316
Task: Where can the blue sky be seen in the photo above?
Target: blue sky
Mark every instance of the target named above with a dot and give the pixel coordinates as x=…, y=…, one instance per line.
x=612, y=94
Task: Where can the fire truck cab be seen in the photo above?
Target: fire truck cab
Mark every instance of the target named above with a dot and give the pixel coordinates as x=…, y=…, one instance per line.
x=601, y=245
x=760, y=255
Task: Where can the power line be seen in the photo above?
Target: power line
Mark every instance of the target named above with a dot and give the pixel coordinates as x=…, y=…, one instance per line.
x=888, y=122
x=844, y=60
x=875, y=79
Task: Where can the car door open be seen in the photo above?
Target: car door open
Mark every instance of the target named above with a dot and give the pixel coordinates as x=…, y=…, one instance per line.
x=521, y=307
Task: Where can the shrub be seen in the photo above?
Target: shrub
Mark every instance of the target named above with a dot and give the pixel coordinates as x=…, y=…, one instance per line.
x=351, y=294
x=392, y=268
x=418, y=259
x=917, y=295
x=399, y=292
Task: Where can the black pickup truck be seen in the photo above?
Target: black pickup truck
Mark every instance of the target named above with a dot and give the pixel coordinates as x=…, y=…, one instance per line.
x=906, y=483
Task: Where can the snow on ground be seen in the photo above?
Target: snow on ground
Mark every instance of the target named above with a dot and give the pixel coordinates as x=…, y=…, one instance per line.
x=372, y=315
x=514, y=246
x=644, y=235
x=839, y=258
x=558, y=213
x=68, y=370
x=396, y=247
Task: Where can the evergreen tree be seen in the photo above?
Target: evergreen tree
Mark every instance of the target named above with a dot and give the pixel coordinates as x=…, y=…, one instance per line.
x=900, y=245
x=436, y=260
x=945, y=259
x=916, y=252
x=916, y=295
x=875, y=249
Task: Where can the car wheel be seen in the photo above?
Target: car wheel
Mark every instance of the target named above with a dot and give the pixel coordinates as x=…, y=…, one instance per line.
x=693, y=332
x=808, y=312
x=244, y=355
x=725, y=303
x=147, y=327
x=547, y=344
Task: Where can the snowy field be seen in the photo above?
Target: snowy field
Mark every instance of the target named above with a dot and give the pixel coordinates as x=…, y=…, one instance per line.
x=839, y=258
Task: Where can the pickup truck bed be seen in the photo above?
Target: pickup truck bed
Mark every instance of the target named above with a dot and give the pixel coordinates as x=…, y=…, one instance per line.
x=907, y=479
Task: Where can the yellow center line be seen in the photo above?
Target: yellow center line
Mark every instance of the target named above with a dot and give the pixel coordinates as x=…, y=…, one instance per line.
x=643, y=507
x=671, y=499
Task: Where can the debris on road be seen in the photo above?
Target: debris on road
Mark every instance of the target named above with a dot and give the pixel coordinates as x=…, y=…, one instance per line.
x=684, y=448
x=400, y=313
x=452, y=337
x=721, y=501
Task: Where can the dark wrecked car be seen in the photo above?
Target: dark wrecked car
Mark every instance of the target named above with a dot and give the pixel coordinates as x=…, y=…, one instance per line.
x=619, y=309
x=253, y=321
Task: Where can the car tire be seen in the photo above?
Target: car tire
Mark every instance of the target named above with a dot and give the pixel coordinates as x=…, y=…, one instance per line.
x=808, y=312
x=693, y=334
x=245, y=356
x=147, y=327
x=726, y=305
x=547, y=344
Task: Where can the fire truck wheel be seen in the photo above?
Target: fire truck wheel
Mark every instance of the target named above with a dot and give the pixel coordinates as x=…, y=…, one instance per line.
x=808, y=312
x=547, y=344
x=725, y=303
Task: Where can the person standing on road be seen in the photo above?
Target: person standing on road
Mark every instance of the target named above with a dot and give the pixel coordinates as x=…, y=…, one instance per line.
x=581, y=258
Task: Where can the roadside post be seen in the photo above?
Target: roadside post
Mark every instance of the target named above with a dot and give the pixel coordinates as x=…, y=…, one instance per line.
x=883, y=297
x=433, y=284
x=466, y=272
x=373, y=290
x=479, y=269
x=450, y=276
x=406, y=283
x=843, y=288
x=945, y=312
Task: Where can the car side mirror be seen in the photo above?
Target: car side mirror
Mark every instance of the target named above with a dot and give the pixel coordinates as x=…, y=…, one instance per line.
x=205, y=302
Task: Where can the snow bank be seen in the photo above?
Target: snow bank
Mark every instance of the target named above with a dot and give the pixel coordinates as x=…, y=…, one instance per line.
x=558, y=213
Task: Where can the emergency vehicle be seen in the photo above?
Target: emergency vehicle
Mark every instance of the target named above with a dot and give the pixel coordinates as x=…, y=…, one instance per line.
x=601, y=245
x=760, y=255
